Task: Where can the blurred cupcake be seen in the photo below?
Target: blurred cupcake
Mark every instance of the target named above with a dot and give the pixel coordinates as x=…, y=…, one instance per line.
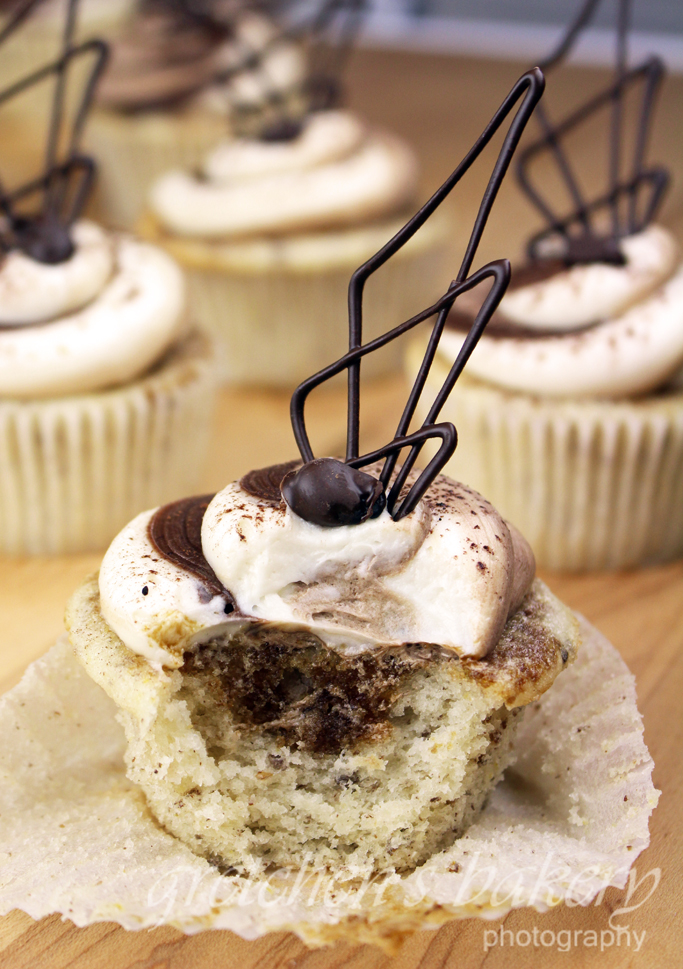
x=271, y=231
x=175, y=77
x=104, y=391
x=571, y=418
x=276, y=219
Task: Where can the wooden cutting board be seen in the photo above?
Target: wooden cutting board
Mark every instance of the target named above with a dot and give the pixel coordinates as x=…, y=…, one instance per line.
x=439, y=103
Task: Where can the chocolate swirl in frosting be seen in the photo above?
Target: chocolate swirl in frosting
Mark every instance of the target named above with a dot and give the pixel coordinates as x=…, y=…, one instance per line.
x=175, y=531
x=264, y=483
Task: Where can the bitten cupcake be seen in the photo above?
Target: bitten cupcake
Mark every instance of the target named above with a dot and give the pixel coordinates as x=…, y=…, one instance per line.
x=177, y=75
x=573, y=418
x=104, y=390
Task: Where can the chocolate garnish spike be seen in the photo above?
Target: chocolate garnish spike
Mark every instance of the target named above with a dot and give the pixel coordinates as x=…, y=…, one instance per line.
x=63, y=185
x=331, y=504
x=175, y=531
x=587, y=245
x=23, y=9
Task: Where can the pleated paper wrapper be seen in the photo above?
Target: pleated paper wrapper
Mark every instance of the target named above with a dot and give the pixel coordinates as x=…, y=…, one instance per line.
x=77, y=838
x=75, y=470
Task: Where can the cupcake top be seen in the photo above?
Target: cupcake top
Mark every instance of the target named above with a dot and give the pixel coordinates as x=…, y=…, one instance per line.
x=590, y=330
x=170, y=55
x=450, y=573
x=81, y=309
x=334, y=172
x=99, y=318
x=598, y=311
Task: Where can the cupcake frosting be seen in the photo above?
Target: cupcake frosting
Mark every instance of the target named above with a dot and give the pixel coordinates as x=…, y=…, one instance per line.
x=598, y=291
x=335, y=173
x=97, y=320
x=450, y=574
x=594, y=330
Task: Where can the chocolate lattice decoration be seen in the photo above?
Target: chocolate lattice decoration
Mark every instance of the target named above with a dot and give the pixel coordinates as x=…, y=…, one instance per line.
x=326, y=32
x=39, y=213
x=323, y=492
x=633, y=191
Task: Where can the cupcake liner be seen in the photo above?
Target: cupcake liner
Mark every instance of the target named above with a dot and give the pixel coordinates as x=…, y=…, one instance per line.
x=279, y=308
x=77, y=838
x=133, y=150
x=74, y=470
x=591, y=484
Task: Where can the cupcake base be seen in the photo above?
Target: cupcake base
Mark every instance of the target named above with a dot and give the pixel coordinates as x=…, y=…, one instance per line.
x=590, y=484
x=278, y=306
x=74, y=470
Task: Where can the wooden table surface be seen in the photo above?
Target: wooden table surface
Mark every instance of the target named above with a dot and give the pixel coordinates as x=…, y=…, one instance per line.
x=440, y=104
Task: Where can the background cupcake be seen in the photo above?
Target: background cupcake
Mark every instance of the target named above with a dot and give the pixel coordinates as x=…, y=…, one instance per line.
x=105, y=393
x=177, y=73
x=571, y=418
x=277, y=218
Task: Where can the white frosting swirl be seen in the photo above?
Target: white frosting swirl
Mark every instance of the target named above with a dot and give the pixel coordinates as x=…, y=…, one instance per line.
x=449, y=574
x=126, y=325
x=328, y=137
x=597, y=291
x=32, y=292
x=628, y=355
x=334, y=173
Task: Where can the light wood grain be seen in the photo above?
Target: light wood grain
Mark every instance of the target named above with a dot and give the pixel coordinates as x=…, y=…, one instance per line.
x=440, y=104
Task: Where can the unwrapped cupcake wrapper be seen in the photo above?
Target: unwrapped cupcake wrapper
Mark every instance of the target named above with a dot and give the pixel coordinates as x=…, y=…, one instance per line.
x=74, y=470
x=133, y=151
x=77, y=838
x=277, y=323
x=590, y=484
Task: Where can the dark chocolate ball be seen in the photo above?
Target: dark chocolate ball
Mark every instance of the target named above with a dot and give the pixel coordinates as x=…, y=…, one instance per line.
x=45, y=239
x=329, y=493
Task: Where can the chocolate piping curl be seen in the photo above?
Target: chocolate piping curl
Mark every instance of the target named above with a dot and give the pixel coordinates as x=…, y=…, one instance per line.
x=18, y=12
x=528, y=89
x=634, y=192
x=175, y=531
x=39, y=214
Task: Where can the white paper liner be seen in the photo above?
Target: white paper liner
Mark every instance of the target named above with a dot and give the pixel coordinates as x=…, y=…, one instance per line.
x=76, y=837
x=74, y=470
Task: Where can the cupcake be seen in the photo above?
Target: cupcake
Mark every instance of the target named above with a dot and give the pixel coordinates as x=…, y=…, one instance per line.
x=571, y=415
x=176, y=77
x=272, y=230
x=272, y=222
x=286, y=687
x=104, y=388
x=327, y=657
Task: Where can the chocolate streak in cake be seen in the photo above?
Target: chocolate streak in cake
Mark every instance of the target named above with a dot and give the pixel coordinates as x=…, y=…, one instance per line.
x=175, y=531
x=500, y=327
x=289, y=683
